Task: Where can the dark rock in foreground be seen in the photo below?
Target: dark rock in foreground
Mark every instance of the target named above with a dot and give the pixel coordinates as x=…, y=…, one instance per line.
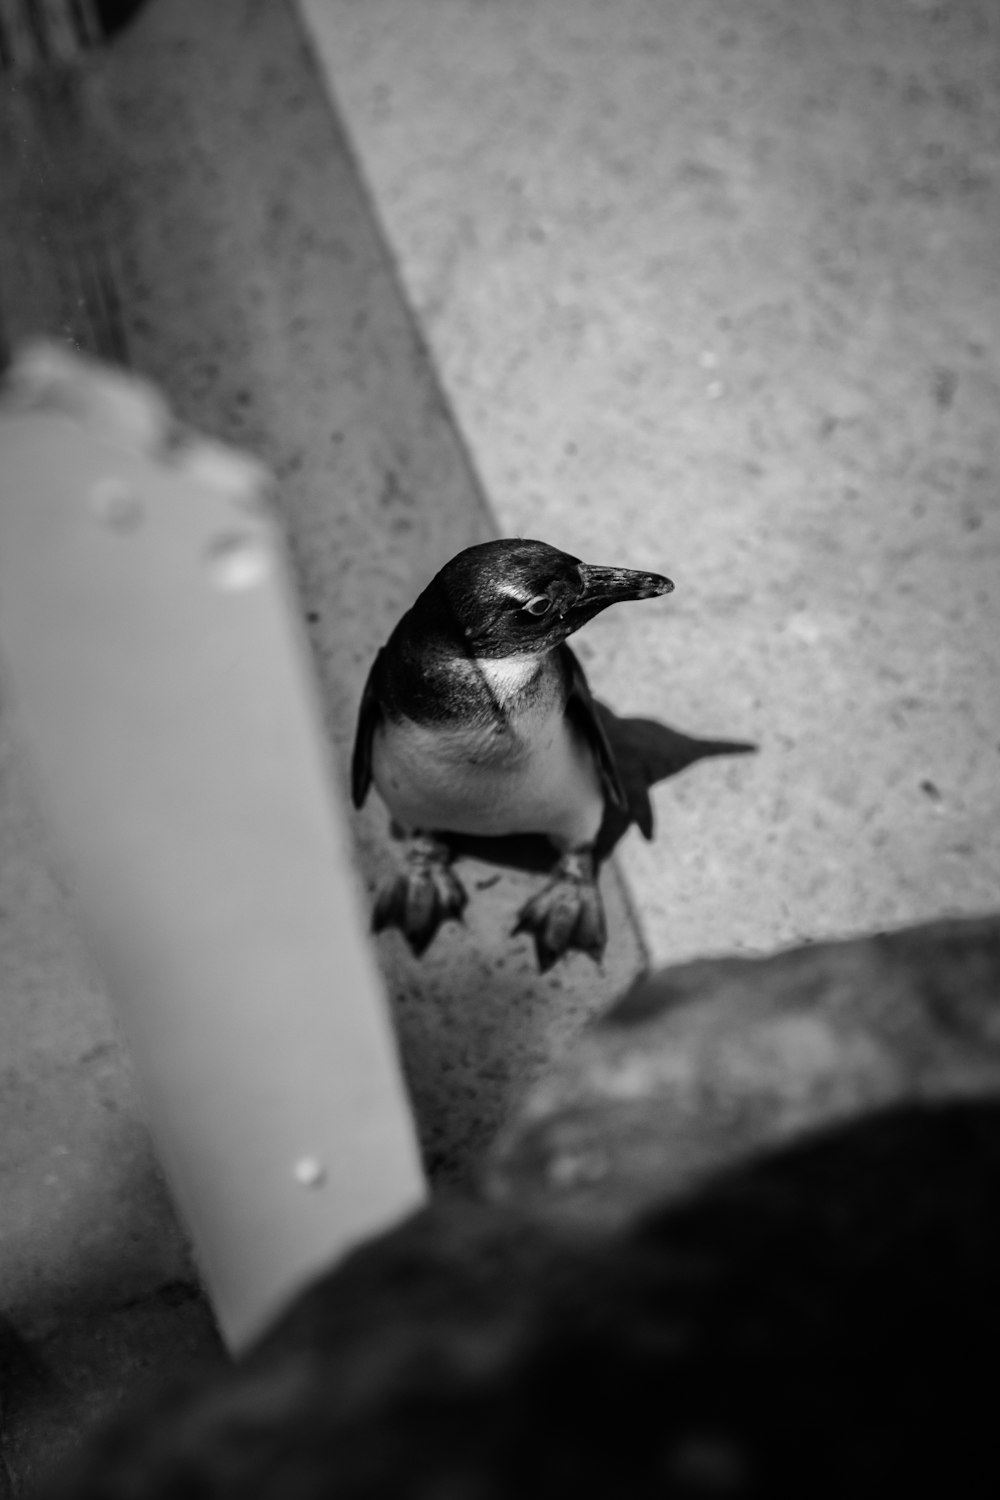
x=702, y=1066
x=811, y=1317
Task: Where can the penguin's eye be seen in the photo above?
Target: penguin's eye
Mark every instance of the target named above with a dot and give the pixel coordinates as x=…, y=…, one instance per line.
x=540, y=605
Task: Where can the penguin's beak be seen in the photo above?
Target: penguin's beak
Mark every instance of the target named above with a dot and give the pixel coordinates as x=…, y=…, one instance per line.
x=603, y=586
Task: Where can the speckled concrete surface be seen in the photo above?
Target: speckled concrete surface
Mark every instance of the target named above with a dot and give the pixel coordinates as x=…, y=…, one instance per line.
x=259, y=292
x=712, y=289
x=253, y=285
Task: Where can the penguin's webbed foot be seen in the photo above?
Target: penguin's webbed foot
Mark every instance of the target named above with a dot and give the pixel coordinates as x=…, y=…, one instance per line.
x=425, y=894
x=568, y=913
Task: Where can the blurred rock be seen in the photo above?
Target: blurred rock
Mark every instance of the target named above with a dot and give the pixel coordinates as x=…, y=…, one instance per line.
x=701, y=1066
x=817, y=1323
x=674, y=1299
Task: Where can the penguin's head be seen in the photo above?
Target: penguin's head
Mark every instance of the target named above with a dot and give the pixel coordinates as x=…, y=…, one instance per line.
x=520, y=597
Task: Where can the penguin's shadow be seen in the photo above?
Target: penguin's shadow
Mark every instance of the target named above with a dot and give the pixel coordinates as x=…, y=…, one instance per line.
x=647, y=752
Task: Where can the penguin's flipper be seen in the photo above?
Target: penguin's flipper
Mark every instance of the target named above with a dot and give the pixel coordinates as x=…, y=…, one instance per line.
x=422, y=896
x=582, y=711
x=568, y=913
x=369, y=715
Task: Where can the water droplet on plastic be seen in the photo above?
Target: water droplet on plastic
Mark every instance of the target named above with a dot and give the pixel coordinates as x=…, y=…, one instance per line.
x=236, y=562
x=309, y=1172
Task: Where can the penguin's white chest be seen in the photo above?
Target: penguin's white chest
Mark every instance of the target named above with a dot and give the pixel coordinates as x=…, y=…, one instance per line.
x=530, y=772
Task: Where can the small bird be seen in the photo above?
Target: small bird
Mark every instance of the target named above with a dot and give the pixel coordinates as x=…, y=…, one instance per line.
x=477, y=719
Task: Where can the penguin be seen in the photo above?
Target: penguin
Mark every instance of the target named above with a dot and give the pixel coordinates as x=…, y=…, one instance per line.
x=477, y=719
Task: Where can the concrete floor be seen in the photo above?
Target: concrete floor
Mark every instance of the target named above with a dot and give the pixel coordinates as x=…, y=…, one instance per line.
x=713, y=290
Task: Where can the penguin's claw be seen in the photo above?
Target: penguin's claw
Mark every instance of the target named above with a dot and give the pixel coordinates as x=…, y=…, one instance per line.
x=423, y=896
x=568, y=913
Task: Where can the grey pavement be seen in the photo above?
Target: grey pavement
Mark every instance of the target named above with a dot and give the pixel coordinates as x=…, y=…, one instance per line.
x=709, y=290
x=712, y=289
